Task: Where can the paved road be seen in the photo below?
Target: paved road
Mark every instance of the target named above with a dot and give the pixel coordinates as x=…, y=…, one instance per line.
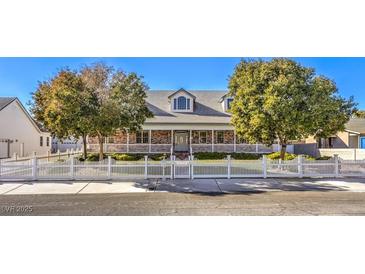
x=265, y=203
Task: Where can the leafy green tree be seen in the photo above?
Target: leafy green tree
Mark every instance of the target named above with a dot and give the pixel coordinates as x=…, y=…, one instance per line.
x=280, y=100
x=64, y=106
x=120, y=101
x=359, y=114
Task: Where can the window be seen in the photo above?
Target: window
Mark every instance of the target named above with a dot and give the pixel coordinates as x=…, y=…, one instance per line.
x=202, y=137
x=229, y=103
x=142, y=137
x=220, y=137
x=41, y=141
x=47, y=141
x=111, y=140
x=181, y=103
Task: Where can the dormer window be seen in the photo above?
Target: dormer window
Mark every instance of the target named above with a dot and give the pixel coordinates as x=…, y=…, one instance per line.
x=181, y=103
x=229, y=103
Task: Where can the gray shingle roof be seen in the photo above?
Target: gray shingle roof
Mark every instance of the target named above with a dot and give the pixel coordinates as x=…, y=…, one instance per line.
x=4, y=101
x=356, y=124
x=207, y=108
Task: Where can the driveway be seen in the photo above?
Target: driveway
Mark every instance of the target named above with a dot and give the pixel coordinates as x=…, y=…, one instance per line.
x=182, y=185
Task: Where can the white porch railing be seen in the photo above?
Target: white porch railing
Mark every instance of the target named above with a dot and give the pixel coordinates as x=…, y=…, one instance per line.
x=72, y=169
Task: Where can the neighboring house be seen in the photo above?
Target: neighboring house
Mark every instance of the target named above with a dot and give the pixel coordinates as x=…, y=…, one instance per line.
x=18, y=131
x=352, y=137
x=184, y=121
x=66, y=144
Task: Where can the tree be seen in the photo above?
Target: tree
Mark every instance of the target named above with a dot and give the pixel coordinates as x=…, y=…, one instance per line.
x=64, y=106
x=280, y=100
x=359, y=114
x=120, y=101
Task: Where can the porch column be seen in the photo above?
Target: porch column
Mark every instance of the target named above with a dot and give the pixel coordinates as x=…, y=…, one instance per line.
x=212, y=140
x=127, y=140
x=149, y=140
x=234, y=141
x=172, y=140
x=190, y=140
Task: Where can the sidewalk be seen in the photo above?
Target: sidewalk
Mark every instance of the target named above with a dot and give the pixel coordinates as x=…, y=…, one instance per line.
x=182, y=185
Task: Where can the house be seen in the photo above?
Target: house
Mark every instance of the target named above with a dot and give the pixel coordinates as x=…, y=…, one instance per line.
x=352, y=137
x=184, y=121
x=18, y=131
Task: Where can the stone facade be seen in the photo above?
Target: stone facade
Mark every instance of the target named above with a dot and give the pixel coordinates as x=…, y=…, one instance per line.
x=161, y=137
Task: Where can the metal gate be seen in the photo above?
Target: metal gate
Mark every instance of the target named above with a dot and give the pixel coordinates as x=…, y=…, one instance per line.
x=182, y=169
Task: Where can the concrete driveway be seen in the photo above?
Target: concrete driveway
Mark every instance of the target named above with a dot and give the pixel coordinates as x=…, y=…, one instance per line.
x=182, y=186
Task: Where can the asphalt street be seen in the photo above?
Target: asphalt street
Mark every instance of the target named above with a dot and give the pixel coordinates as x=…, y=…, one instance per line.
x=290, y=203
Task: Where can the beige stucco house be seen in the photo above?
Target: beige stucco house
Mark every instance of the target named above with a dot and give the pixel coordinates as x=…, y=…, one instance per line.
x=352, y=137
x=184, y=121
x=18, y=131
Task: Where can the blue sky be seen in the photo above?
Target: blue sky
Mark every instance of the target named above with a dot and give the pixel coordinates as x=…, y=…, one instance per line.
x=19, y=76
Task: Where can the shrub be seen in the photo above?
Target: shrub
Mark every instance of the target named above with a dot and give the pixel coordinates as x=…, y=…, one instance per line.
x=209, y=155
x=93, y=157
x=126, y=157
x=276, y=156
x=157, y=157
x=245, y=156
x=288, y=156
x=324, y=158
x=222, y=155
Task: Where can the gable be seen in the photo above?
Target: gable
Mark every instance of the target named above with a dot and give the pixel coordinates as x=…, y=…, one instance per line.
x=16, y=110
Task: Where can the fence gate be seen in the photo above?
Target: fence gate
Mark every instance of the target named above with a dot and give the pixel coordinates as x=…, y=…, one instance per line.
x=182, y=169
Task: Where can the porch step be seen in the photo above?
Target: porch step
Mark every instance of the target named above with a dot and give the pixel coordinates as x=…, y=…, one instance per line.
x=182, y=155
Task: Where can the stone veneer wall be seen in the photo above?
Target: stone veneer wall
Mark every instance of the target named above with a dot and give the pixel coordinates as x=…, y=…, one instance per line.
x=161, y=137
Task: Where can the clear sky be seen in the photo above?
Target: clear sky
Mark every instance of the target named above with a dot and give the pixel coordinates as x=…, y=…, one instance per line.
x=19, y=76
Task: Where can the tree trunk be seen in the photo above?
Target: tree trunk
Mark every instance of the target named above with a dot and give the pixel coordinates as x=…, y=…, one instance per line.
x=101, y=147
x=282, y=151
x=84, y=145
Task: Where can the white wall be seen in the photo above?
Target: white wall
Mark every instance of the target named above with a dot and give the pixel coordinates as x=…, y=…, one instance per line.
x=17, y=126
x=63, y=145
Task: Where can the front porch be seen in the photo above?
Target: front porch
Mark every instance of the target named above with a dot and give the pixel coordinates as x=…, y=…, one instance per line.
x=175, y=141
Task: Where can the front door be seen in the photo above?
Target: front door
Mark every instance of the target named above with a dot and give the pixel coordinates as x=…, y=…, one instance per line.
x=181, y=141
x=362, y=142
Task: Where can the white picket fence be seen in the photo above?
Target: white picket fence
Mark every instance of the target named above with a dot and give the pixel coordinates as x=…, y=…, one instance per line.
x=72, y=169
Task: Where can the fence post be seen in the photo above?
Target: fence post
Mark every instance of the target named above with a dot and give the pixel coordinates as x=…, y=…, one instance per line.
x=264, y=166
x=192, y=166
x=229, y=166
x=172, y=167
x=163, y=169
x=34, y=168
x=72, y=169
x=109, y=167
x=300, y=166
x=257, y=148
x=336, y=165
x=189, y=167
x=145, y=166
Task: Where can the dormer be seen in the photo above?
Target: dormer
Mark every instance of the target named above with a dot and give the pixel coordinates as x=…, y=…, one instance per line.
x=182, y=101
x=226, y=102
